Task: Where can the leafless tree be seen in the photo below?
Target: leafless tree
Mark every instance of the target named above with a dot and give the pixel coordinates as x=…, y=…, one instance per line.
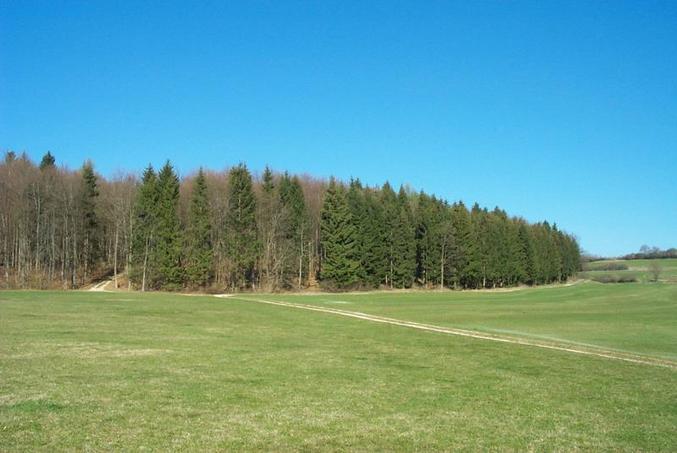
x=655, y=269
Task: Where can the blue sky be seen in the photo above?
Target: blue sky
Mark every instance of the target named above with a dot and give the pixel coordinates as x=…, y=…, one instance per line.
x=565, y=110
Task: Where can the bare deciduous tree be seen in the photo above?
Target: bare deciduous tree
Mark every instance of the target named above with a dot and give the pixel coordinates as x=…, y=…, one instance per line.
x=655, y=269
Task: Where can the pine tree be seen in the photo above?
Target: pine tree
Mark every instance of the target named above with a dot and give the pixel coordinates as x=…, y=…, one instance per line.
x=269, y=221
x=433, y=236
x=526, y=254
x=341, y=263
x=356, y=204
x=241, y=232
x=48, y=161
x=145, y=225
x=391, y=217
x=168, y=245
x=460, y=251
x=404, y=263
x=373, y=243
x=199, y=255
x=476, y=271
x=295, y=231
x=90, y=224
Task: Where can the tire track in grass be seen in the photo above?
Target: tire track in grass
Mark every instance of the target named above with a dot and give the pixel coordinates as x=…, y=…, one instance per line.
x=595, y=352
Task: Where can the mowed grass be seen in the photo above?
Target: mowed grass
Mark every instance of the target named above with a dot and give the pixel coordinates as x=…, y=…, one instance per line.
x=122, y=371
x=631, y=317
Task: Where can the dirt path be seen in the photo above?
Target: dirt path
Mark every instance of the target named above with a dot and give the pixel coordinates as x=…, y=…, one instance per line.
x=101, y=286
x=596, y=352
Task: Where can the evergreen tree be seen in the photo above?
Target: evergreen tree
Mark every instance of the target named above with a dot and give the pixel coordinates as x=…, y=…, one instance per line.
x=373, y=242
x=90, y=224
x=433, y=236
x=404, y=243
x=445, y=241
x=269, y=221
x=145, y=224
x=476, y=271
x=357, y=205
x=526, y=254
x=48, y=161
x=341, y=263
x=199, y=259
x=295, y=231
x=462, y=246
x=168, y=245
x=391, y=217
x=241, y=230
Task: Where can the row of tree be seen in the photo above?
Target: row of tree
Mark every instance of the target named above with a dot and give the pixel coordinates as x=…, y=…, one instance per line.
x=228, y=230
x=647, y=253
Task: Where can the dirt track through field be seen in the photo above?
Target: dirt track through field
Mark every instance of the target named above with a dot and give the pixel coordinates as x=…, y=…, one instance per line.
x=596, y=352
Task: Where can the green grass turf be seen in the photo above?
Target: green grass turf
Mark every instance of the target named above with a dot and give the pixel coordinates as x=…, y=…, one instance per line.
x=636, y=268
x=631, y=317
x=122, y=371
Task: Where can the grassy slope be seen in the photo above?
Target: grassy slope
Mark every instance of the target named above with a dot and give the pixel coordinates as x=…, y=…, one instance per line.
x=113, y=371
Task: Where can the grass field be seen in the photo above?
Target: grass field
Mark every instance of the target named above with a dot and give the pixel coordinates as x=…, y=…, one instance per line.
x=83, y=370
x=638, y=269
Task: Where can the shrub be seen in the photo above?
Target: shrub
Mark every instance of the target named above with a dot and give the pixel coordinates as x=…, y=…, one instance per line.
x=605, y=266
x=611, y=278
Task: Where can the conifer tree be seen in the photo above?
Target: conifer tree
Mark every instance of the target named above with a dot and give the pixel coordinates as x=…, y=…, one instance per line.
x=525, y=254
x=88, y=195
x=241, y=230
x=269, y=220
x=373, y=243
x=340, y=263
x=199, y=255
x=145, y=224
x=356, y=204
x=48, y=161
x=296, y=232
x=462, y=246
x=404, y=264
x=168, y=245
x=445, y=241
x=391, y=214
x=476, y=275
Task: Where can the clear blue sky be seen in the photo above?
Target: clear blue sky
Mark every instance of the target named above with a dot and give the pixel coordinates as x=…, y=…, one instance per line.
x=557, y=110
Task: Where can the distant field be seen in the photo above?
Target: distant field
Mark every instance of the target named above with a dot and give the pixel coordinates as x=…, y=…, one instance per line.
x=117, y=371
x=636, y=268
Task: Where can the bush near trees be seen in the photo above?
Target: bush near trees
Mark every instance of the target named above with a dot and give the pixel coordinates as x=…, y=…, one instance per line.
x=233, y=230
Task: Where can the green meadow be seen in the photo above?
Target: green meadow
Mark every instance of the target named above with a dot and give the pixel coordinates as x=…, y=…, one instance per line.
x=637, y=269
x=157, y=371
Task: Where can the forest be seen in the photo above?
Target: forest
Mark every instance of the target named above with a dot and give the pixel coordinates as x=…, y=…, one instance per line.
x=232, y=231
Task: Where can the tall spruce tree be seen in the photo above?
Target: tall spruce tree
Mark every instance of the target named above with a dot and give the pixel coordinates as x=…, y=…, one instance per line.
x=145, y=224
x=48, y=161
x=199, y=255
x=340, y=263
x=356, y=204
x=404, y=243
x=241, y=232
x=168, y=245
x=295, y=231
x=89, y=193
x=525, y=254
x=269, y=222
x=461, y=248
x=373, y=243
x=476, y=271
x=391, y=217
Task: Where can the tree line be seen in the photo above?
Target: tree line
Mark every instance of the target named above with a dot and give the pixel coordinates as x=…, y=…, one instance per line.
x=648, y=253
x=232, y=231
